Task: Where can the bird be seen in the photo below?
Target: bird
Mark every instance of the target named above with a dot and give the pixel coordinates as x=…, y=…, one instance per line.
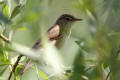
x=60, y=31
x=57, y=34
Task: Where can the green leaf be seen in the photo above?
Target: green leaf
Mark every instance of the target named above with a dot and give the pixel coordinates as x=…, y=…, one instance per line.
x=15, y=11
x=17, y=26
x=22, y=28
x=6, y=10
x=18, y=69
x=4, y=63
x=79, y=67
x=78, y=42
x=2, y=69
x=42, y=74
x=3, y=18
x=90, y=59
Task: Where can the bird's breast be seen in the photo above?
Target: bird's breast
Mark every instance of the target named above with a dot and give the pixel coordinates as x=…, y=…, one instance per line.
x=61, y=40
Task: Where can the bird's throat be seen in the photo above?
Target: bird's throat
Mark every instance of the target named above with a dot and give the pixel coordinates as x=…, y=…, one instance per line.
x=64, y=35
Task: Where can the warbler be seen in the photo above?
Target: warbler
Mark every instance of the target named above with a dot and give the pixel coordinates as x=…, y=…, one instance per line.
x=57, y=34
x=60, y=31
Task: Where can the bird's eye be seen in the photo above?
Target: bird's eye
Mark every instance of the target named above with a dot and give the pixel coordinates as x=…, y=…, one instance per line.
x=67, y=18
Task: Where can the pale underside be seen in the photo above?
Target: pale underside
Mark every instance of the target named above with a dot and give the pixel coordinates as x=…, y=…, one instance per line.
x=56, y=37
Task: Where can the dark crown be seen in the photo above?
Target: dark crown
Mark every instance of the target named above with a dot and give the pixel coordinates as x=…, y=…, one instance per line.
x=67, y=18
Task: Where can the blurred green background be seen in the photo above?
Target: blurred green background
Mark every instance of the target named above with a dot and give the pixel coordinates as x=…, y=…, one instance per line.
x=92, y=51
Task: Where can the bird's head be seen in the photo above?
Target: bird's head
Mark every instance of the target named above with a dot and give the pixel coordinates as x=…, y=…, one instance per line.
x=66, y=20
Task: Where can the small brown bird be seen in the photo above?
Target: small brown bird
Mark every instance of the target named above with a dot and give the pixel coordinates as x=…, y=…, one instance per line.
x=57, y=34
x=60, y=31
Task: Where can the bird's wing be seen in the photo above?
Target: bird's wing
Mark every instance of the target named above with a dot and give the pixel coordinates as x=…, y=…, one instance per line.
x=53, y=32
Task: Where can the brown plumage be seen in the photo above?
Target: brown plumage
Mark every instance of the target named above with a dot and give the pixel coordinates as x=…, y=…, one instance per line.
x=57, y=34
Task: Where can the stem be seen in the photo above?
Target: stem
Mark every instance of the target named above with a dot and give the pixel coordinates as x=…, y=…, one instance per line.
x=4, y=38
x=108, y=75
x=89, y=68
x=14, y=66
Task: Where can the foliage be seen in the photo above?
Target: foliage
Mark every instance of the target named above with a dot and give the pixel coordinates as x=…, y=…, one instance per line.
x=97, y=42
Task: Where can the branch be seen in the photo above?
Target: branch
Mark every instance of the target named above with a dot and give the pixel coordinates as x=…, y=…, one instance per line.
x=14, y=66
x=108, y=75
x=19, y=58
x=89, y=68
x=4, y=38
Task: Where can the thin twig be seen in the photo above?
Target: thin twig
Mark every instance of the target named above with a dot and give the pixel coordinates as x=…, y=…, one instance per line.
x=19, y=58
x=4, y=38
x=14, y=66
x=89, y=68
x=108, y=75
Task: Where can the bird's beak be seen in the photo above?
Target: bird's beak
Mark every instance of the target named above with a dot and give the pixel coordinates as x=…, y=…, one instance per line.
x=77, y=19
